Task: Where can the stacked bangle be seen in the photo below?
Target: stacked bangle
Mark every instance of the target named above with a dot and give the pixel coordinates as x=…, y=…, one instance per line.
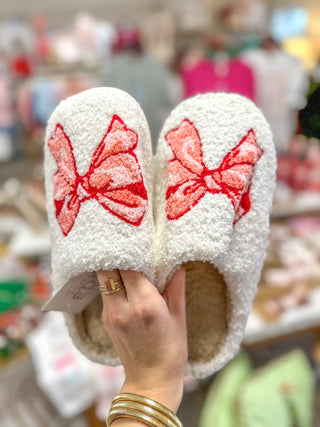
x=143, y=409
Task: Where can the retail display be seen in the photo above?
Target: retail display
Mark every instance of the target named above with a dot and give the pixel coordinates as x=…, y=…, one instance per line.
x=215, y=170
x=291, y=271
x=299, y=169
x=24, y=273
x=281, y=393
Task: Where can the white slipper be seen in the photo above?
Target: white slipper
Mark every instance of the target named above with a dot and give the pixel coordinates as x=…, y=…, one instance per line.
x=98, y=176
x=214, y=183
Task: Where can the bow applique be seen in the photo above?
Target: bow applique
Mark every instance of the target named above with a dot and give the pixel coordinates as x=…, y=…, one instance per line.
x=189, y=179
x=114, y=177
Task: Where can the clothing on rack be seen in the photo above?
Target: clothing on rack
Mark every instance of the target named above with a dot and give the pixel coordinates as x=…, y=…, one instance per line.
x=148, y=81
x=38, y=97
x=281, y=87
x=219, y=75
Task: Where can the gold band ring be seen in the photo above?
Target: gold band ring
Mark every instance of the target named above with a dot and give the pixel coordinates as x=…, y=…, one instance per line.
x=115, y=286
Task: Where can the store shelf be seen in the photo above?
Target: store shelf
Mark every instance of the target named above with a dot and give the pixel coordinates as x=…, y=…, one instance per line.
x=303, y=203
x=295, y=320
x=290, y=211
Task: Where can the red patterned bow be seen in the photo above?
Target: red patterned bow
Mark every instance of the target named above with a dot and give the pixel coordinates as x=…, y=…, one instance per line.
x=189, y=179
x=114, y=177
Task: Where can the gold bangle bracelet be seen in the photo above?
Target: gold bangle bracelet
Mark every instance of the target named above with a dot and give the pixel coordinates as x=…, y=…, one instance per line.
x=133, y=415
x=145, y=410
x=131, y=397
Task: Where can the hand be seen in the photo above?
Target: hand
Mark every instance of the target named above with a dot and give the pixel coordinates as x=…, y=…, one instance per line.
x=148, y=331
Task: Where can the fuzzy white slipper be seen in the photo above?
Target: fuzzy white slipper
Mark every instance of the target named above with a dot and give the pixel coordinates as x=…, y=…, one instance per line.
x=214, y=183
x=98, y=177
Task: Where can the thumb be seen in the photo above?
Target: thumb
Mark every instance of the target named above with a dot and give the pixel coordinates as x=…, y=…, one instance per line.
x=175, y=292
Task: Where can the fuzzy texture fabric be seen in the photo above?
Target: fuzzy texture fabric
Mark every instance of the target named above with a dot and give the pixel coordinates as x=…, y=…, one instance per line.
x=213, y=187
x=98, y=179
x=214, y=184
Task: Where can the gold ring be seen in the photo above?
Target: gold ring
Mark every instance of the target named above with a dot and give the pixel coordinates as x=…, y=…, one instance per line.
x=114, y=284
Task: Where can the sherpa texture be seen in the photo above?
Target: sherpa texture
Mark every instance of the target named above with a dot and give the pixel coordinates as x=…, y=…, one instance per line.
x=98, y=179
x=214, y=184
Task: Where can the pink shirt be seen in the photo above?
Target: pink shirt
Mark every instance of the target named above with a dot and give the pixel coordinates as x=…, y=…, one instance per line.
x=226, y=76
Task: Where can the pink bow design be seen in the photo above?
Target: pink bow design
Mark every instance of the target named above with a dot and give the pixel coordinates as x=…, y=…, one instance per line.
x=114, y=177
x=189, y=179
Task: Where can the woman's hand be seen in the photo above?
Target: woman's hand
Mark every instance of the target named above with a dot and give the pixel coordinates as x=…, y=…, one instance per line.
x=148, y=331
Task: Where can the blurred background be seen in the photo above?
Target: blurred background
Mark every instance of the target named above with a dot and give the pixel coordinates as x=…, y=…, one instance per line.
x=162, y=52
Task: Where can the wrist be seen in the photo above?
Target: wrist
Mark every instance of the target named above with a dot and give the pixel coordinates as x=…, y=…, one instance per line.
x=169, y=395
x=134, y=409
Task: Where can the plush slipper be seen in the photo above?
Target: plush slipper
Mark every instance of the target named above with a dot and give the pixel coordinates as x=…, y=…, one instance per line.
x=280, y=394
x=219, y=409
x=98, y=177
x=214, y=183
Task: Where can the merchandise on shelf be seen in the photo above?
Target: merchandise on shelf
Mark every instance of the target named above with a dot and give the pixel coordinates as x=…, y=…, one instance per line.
x=300, y=168
x=292, y=267
x=281, y=393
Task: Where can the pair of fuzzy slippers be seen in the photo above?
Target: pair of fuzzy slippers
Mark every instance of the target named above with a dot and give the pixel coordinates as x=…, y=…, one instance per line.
x=203, y=203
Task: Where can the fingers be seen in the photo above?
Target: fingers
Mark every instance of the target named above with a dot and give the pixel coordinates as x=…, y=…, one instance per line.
x=109, y=280
x=137, y=288
x=175, y=292
x=137, y=285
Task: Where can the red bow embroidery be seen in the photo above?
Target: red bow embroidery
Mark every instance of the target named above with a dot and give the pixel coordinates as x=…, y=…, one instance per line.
x=189, y=179
x=114, y=177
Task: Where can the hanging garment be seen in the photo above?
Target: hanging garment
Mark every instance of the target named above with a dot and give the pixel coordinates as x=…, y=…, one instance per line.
x=281, y=87
x=148, y=81
x=44, y=99
x=230, y=75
